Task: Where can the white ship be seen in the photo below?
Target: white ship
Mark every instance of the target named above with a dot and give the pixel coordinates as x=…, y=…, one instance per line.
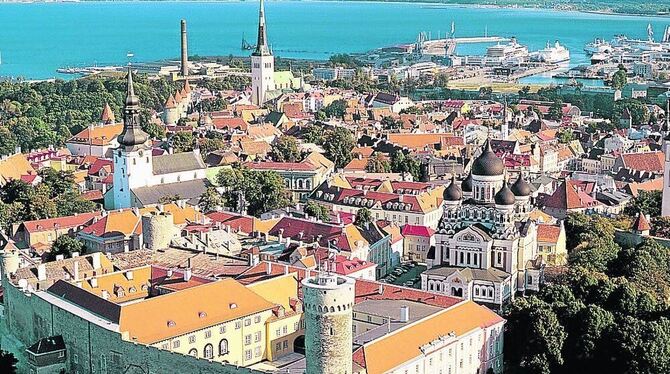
x=553, y=55
x=598, y=46
x=505, y=54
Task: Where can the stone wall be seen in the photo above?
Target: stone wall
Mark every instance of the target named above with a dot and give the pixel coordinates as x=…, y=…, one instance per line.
x=92, y=348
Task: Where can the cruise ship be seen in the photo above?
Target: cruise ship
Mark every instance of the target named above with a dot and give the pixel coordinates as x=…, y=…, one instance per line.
x=553, y=55
x=505, y=54
x=598, y=46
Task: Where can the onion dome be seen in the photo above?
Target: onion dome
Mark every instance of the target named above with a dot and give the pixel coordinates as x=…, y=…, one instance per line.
x=453, y=192
x=488, y=164
x=505, y=196
x=466, y=185
x=521, y=187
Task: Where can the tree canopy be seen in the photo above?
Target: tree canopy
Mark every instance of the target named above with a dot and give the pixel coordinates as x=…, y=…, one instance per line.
x=262, y=191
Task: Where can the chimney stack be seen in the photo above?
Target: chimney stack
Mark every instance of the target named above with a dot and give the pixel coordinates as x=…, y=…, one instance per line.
x=184, y=49
x=404, y=313
x=41, y=272
x=76, y=270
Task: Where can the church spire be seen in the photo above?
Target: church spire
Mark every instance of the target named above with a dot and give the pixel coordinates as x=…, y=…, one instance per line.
x=132, y=134
x=262, y=48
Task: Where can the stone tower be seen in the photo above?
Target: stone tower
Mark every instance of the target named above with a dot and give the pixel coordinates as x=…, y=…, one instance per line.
x=329, y=301
x=262, y=63
x=133, y=163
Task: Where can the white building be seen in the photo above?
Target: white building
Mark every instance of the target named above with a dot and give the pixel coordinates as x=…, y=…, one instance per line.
x=135, y=167
x=262, y=64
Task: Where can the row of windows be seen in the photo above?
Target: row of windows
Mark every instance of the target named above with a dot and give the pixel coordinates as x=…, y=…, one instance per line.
x=208, y=351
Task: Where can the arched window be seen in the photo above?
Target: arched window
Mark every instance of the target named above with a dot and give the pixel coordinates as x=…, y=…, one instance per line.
x=300, y=184
x=308, y=184
x=223, y=347
x=193, y=352
x=208, y=352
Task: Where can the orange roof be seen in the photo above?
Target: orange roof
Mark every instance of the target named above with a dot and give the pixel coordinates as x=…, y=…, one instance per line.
x=170, y=103
x=183, y=215
x=97, y=135
x=177, y=313
x=107, y=115
x=650, y=185
x=121, y=286
x=124, y=222
x=641, y=223
x=647, y=161
x=14, y=166
x=548, y=233
x=419, y=141
x=382, y=355
x=357, y=164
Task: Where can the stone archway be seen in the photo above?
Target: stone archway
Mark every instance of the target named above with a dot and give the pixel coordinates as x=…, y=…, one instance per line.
x=299, y=344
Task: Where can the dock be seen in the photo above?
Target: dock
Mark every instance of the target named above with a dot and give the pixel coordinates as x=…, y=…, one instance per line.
x=465, y=40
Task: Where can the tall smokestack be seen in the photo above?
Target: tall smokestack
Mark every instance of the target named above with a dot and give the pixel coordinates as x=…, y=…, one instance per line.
x=184, y=49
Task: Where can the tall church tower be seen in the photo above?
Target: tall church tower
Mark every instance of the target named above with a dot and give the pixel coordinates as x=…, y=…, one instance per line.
x=665, y=206
x=262, y=63
x=133, y=165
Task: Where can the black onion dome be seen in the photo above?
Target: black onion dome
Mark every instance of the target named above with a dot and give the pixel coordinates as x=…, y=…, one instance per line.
x=453, y=192
x=466, y=185
x=521, y=187
x=504, y=196
x=488, y=164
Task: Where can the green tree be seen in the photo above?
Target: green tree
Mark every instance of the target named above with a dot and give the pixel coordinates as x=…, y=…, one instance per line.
x=400, y=163
x=169, y=199
x=65, y=245
x=336, y=109
x=441, y=80
x=321, y=212
x=539, y=335
x=378, y=163
x=565, y=136
x=363, y=217
x=338, y=145
x=7, y=362
x=285, y=149
x=208, y=146
x=7, y=141
x=182, y=141
x=637, y=108
x=390, y=123
x=647, y=202
x=313, y=134
x=555, y=111
x=211, y=200
x=263, y=191
x=619, y=79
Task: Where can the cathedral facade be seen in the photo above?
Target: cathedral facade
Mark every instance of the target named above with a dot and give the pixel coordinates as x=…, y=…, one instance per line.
x=486, y=244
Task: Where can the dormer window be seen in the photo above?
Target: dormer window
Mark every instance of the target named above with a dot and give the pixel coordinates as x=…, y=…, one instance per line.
x=232, y=306
x=171, y=323
x=202, y=314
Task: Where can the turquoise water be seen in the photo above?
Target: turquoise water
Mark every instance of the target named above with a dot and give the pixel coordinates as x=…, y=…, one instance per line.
x=37, y=38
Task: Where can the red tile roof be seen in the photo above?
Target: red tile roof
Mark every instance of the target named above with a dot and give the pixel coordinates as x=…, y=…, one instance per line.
x=572, y=195
x=415, y=230
x=647, y=161
x=548, y=233
x=641, y=223
x=237, y=222
x=59, y=223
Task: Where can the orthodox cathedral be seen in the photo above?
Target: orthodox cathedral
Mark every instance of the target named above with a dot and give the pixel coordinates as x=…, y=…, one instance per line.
x=486, y=247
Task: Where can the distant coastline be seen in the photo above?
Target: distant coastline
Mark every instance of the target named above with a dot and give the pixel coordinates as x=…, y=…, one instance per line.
x=509, y=4
x=575, y=6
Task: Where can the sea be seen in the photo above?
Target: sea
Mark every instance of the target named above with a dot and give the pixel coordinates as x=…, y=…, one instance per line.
x=39, y=37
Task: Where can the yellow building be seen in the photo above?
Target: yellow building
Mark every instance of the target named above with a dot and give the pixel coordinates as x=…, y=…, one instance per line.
x=551, y=244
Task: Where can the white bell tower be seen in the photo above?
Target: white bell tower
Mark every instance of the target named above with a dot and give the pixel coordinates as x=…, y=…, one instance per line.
x=262, y=63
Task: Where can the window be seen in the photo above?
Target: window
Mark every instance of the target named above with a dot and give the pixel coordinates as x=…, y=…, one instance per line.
x=165, y=346
x=285, y=344
x=238, y=325
x=247, y=322
x=222, y=329
x=191, y=339
x=257, y=352
x=278, y=332
x=223, y=347
x=208, y=351
x=257, y=319
x=285, y=330
x=257, y=336
x=278, y=347
x=247, y=354
x=247, y=339
x=175, y=344
x=193, y=352
x=208, y=334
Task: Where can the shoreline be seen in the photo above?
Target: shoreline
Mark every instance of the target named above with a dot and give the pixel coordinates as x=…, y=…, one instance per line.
x=436, y=4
